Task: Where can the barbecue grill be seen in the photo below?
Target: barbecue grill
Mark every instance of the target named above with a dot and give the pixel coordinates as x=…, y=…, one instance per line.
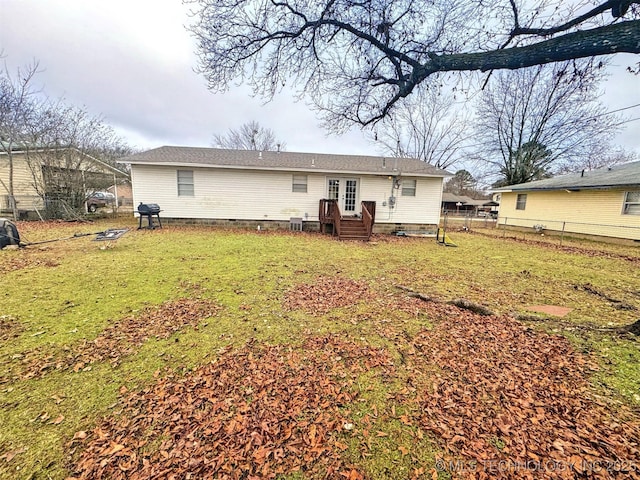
x=148, y=211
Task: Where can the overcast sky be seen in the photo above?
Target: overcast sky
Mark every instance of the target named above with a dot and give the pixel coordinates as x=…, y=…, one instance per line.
x=132, y=61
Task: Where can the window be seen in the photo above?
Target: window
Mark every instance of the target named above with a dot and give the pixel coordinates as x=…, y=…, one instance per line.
x=185, y=183
x=631, y=203
x=299, y=184
x=409, y=188
x=521, y=201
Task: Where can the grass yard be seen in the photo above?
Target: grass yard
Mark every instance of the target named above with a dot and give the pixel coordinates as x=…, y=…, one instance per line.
x=202, y=353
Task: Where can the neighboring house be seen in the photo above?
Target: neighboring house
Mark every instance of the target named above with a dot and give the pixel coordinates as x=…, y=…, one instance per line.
x=464, y=205
x=39, y=175
x=243, y=187
x=123, y=193
x=452, y=203
x=603, y=202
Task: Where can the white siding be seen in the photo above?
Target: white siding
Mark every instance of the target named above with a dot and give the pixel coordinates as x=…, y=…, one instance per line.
x=423, y=208
x=263, y=195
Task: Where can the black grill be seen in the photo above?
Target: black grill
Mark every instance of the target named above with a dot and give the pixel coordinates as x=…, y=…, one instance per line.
x=149, y=210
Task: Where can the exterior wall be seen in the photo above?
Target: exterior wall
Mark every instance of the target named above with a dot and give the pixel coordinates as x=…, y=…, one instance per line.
x=23, y=184
x=24, y=190
x=423, y=208
x=263, y=195
x=590, y=212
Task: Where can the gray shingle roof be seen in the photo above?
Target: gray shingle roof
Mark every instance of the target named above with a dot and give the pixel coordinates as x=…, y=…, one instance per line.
x=290, y=161
x=626, y=175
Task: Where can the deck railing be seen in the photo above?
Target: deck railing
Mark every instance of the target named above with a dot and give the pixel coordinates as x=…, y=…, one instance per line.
x=329, y=215
x=368, y=216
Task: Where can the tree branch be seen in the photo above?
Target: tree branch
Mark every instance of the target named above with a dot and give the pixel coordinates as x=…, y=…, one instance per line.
x=617, y=38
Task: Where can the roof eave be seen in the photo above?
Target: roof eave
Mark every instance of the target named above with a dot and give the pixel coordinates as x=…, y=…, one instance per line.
x=312, y=169
x=574, y=188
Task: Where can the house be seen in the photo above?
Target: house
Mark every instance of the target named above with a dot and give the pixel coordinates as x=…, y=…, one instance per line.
x=253, y=188
x=463, y=205
x=603, y=202
x=46, y=176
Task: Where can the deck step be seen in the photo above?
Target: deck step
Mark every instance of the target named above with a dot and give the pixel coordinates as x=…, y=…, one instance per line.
x=353, y=229
x=354, y=237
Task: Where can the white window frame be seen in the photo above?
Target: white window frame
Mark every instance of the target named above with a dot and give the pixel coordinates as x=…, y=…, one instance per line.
x=629, y=205
x=185, y=183
x=521, y=201
x=409, y=186
x=299, y=183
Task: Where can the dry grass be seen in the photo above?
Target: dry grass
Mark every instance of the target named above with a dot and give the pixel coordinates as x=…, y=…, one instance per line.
x=61, y=295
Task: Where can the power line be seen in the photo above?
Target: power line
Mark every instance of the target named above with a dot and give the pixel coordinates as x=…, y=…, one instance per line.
x=616, y=111
x=626, y=121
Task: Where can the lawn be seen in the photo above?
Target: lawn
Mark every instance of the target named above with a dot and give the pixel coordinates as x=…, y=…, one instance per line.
x=202, y=353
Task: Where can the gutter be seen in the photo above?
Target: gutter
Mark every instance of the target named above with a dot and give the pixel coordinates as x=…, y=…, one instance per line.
x=285, y=169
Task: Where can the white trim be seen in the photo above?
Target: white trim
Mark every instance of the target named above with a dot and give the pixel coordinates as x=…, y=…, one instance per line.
x=280, y=169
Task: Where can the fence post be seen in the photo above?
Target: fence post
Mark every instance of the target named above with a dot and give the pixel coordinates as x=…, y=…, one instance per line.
x=504, y=227
x=562, y=234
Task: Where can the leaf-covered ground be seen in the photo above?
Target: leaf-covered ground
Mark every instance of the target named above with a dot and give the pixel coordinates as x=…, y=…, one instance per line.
x=119, y=339
x=256, y=412
x=215, y=354
x=504, y=397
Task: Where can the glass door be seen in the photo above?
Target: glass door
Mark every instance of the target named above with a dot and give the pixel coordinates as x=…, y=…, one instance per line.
x=345, y=191
x=350, y=195
x=333, y=189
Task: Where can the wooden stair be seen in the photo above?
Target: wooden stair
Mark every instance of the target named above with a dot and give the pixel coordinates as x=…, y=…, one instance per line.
x=346, y=228
x=353, y=229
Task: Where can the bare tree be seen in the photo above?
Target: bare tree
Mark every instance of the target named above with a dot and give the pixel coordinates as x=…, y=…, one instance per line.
x=542, y=120
x=425, y=126
x=66, y=161
x=19, y=107
x=357, y=59
x=250, y=136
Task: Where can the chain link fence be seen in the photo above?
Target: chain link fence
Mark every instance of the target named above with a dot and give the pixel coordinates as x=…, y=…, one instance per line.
x=51, y=207
x=564, y=228
x=547, y=230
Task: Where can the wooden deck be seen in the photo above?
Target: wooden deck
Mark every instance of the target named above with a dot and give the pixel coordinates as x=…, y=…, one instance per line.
x=347, y=228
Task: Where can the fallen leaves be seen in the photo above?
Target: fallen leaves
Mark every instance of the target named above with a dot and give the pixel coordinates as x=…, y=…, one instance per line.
x=256, y=412
x=8, y=456
x=119, y=339
x=10, y=327
x=26, y=261
x=325, y=294
x=508, y=394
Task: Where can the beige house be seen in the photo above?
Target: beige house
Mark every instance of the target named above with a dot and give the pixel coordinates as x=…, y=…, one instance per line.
x=603, y=202
x=245, y=187
x=41, y=174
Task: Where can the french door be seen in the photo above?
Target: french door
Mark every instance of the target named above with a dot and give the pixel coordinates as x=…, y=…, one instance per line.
x=345, y=191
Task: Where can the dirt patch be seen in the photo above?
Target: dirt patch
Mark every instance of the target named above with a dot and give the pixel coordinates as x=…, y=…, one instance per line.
x=10, y=327
x=554, y=310
x=25, y=261
x=121, y=338
x=256, y=412
x=326, y=294
x=514, y=403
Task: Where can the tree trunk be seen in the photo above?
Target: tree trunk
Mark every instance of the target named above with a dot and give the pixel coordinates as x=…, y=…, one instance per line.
x=12, y=199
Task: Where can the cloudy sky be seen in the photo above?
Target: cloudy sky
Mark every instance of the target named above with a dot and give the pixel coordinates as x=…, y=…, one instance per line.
x=132, y=61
